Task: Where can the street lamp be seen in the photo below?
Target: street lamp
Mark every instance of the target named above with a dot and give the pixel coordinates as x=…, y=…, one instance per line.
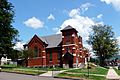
x=88, y=68
x=88, y=63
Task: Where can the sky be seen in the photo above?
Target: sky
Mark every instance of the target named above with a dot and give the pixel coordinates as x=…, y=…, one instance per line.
x=47, y=17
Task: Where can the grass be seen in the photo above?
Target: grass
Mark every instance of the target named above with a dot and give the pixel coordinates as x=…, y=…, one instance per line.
x=23, y=71
x=97, y=70
x=97, y=73
x=81, y=76
x=117, y=71
x=26, y=70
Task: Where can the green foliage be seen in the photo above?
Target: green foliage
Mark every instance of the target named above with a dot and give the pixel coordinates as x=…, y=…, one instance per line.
x=103, y=42
x=16, y=54
x=27, y=54
x=8, y=34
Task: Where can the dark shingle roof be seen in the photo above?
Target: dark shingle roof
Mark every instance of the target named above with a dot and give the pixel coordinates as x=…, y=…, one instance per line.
x=67, y=28
x=52, y=40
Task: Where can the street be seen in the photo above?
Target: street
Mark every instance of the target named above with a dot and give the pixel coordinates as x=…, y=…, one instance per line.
x=13, y=76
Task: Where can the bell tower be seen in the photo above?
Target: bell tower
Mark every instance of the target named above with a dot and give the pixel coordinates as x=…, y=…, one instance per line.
x=70, y=43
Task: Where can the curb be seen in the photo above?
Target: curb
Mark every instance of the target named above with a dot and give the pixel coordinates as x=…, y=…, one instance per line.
x=68, y=78
x=21, y=73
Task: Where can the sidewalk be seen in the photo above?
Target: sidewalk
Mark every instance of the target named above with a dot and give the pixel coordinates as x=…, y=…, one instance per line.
x=52, y=73
x=48, y=74
x=112, y=75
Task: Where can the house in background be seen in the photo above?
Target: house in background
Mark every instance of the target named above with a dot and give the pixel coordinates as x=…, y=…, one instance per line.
x=64, y=50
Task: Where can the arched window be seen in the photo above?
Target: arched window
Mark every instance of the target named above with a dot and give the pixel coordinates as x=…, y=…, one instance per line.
x=35, y=51
x=40, y=52
x=50, y=56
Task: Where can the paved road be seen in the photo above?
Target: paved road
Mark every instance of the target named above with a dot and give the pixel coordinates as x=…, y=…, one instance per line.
x=13, y=76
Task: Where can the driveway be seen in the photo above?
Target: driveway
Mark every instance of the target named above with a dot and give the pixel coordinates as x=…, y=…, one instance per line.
x=13, y=76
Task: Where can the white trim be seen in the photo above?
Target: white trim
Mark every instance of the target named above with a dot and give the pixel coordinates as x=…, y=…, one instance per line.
x=73, y=48
x=80, y=51
x=80, y=42
x=63, y=55
x=43, y=57
x=69, y=45
x=80, y=48
x=73, y=35
x=63, y=49
x=76, y=45
x=43, y=51
x=81, y=56
x=62, y=36
x=74, y=54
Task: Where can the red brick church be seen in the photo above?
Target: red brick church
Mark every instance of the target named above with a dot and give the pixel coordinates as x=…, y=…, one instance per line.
x=64, y=50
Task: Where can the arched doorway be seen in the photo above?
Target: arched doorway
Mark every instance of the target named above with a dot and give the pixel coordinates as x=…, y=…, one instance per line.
x=68, y=59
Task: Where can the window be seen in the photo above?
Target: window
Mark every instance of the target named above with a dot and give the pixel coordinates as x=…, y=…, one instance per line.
x=58, y=55
x=40, y=54
x=68, y=39
x=36, y=52
x=50, y=56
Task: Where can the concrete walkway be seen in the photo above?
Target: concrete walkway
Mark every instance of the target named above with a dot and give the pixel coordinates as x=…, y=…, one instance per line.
x=51, y=73
x=112, y=75
x=48, y=74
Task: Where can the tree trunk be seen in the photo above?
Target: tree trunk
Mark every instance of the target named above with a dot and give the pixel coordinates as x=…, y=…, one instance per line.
x=102, y=61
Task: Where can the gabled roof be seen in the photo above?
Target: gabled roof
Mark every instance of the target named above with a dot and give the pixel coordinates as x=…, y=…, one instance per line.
x=34, y=37
x=52, y=40
x=68, y=28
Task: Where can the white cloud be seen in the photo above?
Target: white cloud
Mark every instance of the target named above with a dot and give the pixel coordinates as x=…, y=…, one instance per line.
x=18, y=46
x=81, y=23
x=84, y=7
x=118, y=40
x=74, y=12
x=115, y=3
x=51, y=17
x=100, y=16
x=34, y=23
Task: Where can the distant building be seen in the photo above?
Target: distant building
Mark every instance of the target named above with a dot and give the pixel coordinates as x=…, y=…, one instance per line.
x=65, y=50
x=5, y=60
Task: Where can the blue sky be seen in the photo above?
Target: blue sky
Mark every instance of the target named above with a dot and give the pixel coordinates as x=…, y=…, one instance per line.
x=46, y=17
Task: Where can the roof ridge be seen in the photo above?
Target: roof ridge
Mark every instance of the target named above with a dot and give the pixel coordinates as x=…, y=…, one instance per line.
x=50, y=35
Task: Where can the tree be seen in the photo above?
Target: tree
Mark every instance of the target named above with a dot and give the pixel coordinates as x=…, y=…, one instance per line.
x=103, y=42
x=8, y=34
x=25, y=55
x=16, y=54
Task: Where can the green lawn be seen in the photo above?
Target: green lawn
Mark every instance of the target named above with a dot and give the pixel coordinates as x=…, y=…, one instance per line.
x=97, y=73
x=23, y=71
x=117, y=71
x=26, y=70
x=81, y=76
x=97, y=70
